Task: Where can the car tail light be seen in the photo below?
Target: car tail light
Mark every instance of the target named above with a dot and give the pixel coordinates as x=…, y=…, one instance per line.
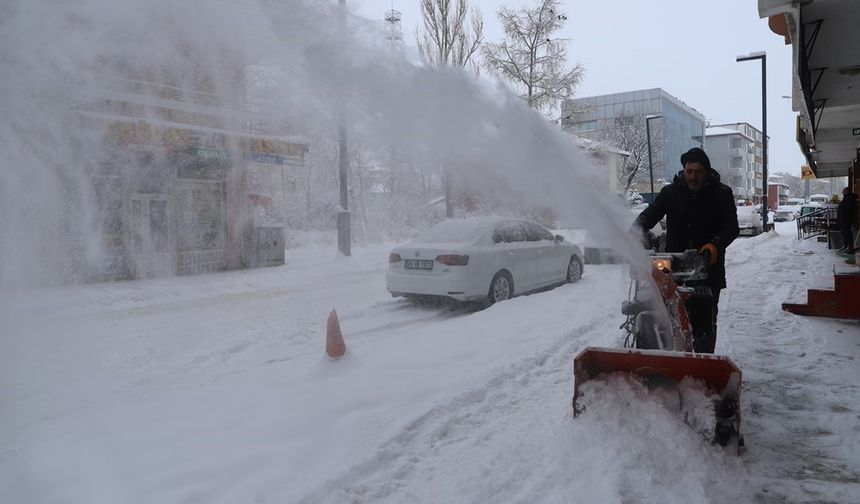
x=453, y=259
x=393, y=258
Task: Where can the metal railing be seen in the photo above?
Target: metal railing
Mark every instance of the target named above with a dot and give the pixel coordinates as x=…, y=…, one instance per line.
x=817, y=223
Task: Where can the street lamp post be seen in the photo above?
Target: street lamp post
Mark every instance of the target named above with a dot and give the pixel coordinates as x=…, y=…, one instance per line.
x=650, y=163
x=763, y=57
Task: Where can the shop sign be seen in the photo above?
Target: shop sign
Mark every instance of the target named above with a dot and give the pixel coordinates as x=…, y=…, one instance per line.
x=141, y=132
x=258, y=157
x=267, y=146
x=211, y=153
x=270, y=151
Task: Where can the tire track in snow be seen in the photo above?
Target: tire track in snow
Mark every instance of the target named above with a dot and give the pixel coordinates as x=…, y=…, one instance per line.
x=225, y=300
x=400, y=458
x=380, y=331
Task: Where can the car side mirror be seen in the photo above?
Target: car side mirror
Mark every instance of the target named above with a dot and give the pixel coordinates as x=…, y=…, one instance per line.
x=559, y=238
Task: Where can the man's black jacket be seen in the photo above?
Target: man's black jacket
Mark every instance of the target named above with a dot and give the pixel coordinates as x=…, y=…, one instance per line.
x=845, y=211
x=694, y=219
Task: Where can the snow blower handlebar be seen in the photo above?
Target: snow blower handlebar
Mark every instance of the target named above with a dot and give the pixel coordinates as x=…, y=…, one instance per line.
x=684, y=266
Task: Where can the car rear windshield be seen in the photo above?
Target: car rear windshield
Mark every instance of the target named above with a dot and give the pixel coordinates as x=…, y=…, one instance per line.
x=452, y=232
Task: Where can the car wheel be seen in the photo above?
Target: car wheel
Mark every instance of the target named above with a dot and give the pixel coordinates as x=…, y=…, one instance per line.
x=574, y=269
x=501, y=288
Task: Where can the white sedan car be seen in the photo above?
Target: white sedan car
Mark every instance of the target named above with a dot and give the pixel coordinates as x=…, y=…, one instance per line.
x=482, y=258
x=749, y=220
x=785, y=214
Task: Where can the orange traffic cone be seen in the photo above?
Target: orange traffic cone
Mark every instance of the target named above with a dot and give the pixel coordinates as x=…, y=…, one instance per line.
x=334, y=344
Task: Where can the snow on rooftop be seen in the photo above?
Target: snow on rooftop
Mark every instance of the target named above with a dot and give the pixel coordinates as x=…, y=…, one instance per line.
x=719, y=130
x=714, y=131
x=594, y=145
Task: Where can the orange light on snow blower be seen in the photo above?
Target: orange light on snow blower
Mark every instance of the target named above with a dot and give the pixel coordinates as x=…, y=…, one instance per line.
x=662, y=264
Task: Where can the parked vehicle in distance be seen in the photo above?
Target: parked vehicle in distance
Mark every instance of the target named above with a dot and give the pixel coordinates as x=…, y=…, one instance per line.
x=749, y=220
x=596, y=252
x=785, y=214
x=809, y=208
x=482, y=258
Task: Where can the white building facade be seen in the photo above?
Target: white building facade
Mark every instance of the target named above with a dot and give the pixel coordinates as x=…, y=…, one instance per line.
x=735, y=153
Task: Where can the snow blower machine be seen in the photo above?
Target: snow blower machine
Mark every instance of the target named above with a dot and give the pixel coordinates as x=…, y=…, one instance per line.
x=663, y=353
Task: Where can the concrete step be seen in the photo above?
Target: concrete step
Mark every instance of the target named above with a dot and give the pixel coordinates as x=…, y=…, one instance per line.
x=843, y=301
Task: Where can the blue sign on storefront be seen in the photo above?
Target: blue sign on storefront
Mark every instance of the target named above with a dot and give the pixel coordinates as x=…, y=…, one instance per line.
x=260, y=157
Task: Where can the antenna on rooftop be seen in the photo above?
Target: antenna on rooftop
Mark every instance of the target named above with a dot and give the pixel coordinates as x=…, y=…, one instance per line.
x=393, y=32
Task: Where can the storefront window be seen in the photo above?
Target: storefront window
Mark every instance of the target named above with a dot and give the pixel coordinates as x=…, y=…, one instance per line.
x=201, y=225
x=158, y=225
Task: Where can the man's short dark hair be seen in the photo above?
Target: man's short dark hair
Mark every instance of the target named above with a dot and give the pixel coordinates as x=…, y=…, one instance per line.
x=696, y=155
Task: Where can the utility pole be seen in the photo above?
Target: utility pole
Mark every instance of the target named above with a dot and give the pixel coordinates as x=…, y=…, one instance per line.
x=764, y=208
x=394, y=36
x=648, y=119
x=344, y=239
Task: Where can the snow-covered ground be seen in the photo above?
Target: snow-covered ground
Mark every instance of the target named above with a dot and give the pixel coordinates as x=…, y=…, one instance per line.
x=215, y=389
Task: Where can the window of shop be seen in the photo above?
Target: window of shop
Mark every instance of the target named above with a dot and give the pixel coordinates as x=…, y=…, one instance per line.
x=201, y=219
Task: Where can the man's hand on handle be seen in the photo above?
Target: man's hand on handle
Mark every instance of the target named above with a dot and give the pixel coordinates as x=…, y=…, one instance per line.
x=709, y=250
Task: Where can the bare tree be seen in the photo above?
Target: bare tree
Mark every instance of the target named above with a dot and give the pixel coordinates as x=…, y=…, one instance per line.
x=447, y=40
x=361, y=164
x=573, y=111
x=531, y=58
x=628, y=133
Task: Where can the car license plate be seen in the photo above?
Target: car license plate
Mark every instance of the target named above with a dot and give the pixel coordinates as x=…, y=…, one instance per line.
x=421, y=264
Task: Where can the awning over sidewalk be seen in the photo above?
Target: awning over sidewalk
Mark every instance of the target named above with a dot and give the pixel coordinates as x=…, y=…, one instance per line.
x=826, y=77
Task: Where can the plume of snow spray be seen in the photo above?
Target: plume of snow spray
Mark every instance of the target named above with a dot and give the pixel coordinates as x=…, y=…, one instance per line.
x=58, y=57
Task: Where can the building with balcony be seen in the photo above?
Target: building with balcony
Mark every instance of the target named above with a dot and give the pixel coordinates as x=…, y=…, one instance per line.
x=735, y=153
x=755, y=153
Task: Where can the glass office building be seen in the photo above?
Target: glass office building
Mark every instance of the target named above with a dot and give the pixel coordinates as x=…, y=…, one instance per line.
x=680, y=128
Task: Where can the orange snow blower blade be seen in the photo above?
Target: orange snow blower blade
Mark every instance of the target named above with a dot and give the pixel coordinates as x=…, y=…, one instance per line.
x=659, y=353
x=656, y=367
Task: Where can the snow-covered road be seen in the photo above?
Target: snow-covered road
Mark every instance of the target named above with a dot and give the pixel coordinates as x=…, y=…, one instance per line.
x=214, y=388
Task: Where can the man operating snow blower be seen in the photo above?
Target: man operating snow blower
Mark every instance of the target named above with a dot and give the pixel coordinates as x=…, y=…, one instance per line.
x=700, y=214
x=701, y=221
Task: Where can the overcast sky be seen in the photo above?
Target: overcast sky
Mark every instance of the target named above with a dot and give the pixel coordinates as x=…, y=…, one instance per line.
x=687, y=47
